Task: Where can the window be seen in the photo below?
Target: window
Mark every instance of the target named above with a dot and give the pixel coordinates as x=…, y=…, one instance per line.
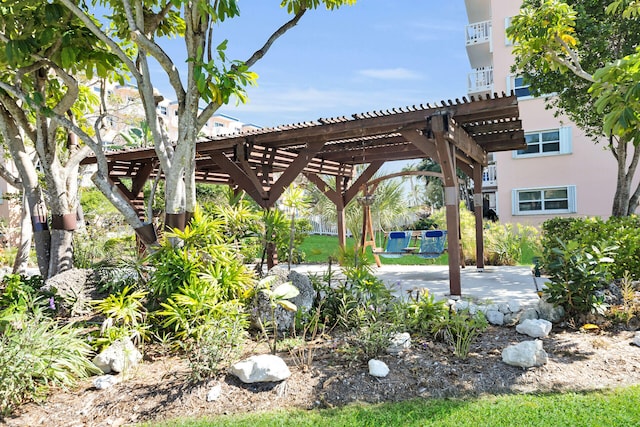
x=519, y=88
x=163, y=110
x=551, y=200
x=546, y=143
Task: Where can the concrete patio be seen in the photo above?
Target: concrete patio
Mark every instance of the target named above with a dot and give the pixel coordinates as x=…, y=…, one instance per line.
x=494, y=284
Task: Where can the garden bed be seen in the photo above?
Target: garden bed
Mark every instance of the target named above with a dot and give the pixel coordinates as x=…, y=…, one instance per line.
x=160, y=388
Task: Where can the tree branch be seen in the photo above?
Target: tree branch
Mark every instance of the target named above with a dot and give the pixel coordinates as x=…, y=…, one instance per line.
x=91, y=25
x=279, y=32
x=574, y=63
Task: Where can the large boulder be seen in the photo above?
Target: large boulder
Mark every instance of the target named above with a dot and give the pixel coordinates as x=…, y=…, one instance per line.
x=284, y=318
x=118, y=357
x=73, y=290
x=262, y=368
x=525, y=354
x=306, y=297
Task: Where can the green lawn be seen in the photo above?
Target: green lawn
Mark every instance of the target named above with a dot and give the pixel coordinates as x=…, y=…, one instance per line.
x=318, y=249
x=603, y=408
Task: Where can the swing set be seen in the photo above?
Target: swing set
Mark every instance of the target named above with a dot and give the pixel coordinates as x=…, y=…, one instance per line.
x=424, y=243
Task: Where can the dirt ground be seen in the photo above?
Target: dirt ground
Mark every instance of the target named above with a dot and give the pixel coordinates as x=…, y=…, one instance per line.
x=160, y=389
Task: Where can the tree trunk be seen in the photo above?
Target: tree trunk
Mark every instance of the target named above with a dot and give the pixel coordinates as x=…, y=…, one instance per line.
x=24, y=245
x=61, y=258
x=624, y=202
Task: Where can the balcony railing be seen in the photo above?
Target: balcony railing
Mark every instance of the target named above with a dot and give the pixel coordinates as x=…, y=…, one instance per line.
x=478, y=32
x=490, y=176
x=481, y=80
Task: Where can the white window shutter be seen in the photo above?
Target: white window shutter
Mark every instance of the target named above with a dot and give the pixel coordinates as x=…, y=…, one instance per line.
x=514, y=202
x=507, y=24
x=566, y=146
x=509, y=84
x=571, y=195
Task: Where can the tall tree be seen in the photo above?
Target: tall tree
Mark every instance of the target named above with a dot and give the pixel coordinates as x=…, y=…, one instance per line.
x=135, y=34
x=582, y=53
x=42, y=45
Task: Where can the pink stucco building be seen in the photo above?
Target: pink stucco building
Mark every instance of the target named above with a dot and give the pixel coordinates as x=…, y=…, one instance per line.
x=562, y=172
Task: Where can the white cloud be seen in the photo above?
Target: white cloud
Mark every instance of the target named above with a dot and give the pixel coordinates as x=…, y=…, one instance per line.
x=390, y=74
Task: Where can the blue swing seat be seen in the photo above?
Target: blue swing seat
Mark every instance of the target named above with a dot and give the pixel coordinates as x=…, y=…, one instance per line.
x=432, y=243
x=397, y=242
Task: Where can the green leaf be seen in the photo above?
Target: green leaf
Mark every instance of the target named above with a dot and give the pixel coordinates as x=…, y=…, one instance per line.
x=285, y=291
x=288, y=305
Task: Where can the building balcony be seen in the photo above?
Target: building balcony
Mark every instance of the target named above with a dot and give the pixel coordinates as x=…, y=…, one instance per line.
x=480, y=81
x=478, y=32
x=490, y=176
x=478, y=10
x=479, y=45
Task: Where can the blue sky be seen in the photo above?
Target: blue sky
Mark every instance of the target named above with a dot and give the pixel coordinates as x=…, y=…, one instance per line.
x=374, y=55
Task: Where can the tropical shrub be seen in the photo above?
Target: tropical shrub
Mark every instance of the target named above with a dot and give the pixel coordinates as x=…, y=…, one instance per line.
x=459, y=329
x=504, y=243
x=37, y=354
x=586, y=232
x=423, y=312
x=467, y=230
x=217, y=347
x=577, y=277
x=125, y=316
x=361, y=298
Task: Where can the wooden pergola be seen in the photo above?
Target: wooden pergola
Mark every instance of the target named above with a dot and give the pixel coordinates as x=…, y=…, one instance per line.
x=265, y=162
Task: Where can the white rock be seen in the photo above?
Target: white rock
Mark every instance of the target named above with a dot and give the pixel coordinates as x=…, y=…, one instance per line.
x=399, y=342
x=495, y=317
x=529, y=313
x=214, y=393
x=525, y=354
x=461, y=305
x=473, y=309
x=514, y=306
x=550, y=312
x=536, y=328
x=378, y=368
x=105, y=381
x=636, y=339
x=120, y=355
x=262, y=368
x=504, y=308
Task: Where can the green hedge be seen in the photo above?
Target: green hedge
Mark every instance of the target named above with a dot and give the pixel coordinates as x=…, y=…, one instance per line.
x=622, y=232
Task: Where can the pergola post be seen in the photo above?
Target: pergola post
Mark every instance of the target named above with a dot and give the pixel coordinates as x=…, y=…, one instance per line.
x=447, y=161
x=478, y=207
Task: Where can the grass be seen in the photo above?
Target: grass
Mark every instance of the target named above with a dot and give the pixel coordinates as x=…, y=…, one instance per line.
x=318, y=249
x=599, y=408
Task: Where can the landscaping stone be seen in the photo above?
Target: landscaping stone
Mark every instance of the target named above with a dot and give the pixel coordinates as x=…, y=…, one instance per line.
x=73, y=290
x=636, y=339
x=529, y=313
x=285, y=319
x=514, y=306
x=399, y=342
x=526, y=354
x=262, y=368
x=118, y=357
x=536, y=328
x=495, y=317
x=550, y=312
x=105, y=381
x=378, y=368
x=214, y=393
x=306, y=297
